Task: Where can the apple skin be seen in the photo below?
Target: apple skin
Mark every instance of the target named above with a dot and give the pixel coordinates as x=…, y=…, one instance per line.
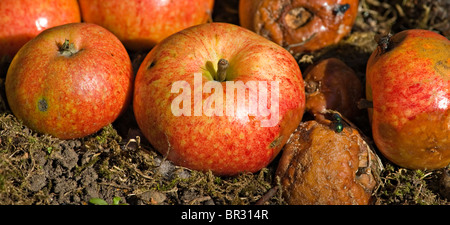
x=70, y=96
x=22, y=20
x=409, y=85
x=142, y=24
x=226, y=145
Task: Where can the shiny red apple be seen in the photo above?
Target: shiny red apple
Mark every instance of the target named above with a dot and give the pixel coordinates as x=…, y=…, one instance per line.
x=140, y=24
x=70, y=80
x=219, y=97
x=22, y=20
x=408, y=80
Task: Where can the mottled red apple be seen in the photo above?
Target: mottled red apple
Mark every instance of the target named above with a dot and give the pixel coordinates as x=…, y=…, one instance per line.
x=70, y=80
x=193, y=98
x=22, y=20
x=408, y=80
x=140, y=24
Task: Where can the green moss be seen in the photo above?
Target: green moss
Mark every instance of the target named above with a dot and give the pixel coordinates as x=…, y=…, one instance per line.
x=403, y=186
x=2, y=183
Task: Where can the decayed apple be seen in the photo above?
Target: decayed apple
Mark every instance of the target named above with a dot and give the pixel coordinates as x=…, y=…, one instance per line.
x=142, y=24
x=70, y=80
x=20, y=21
x=332, y=85
x=218, y=97
x=408, y=80
x=320, y=166
x=299, y=25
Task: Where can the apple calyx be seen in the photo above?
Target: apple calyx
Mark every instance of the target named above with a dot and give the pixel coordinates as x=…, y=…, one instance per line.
x=311, y=87
x=297, y=17
x=67, y=49
x=222, y=67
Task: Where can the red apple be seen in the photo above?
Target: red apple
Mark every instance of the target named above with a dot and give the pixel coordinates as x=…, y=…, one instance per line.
x=199, y=122
x=22, y=20
x=408, y=80
x=70, y=80
x=140, y=24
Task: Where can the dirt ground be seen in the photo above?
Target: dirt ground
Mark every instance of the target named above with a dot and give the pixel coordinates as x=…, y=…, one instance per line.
x=119, y=166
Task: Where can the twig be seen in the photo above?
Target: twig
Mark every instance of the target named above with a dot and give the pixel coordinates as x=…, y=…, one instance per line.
x=267, y=196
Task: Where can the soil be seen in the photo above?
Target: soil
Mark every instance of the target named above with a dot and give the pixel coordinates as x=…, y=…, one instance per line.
x=117, y=163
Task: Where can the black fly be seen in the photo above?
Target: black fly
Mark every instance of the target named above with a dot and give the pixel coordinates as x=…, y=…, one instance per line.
x=384, y=42
x=341, y=9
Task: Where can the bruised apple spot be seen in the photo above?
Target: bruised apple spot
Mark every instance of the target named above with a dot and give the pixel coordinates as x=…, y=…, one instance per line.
x=441, y=66
x=431, y=139
x=152, y=64
x=386, y=131
x=275, y=143
x=42, y=105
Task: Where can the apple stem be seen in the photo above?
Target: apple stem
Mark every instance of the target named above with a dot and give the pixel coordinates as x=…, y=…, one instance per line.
x=364, y=104
x=222, y=67
x=67, y=48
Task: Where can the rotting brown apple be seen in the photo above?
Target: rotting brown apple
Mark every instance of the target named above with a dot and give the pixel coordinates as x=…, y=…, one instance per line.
x=299, y=25
x=325, y=167
x=332, y=85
